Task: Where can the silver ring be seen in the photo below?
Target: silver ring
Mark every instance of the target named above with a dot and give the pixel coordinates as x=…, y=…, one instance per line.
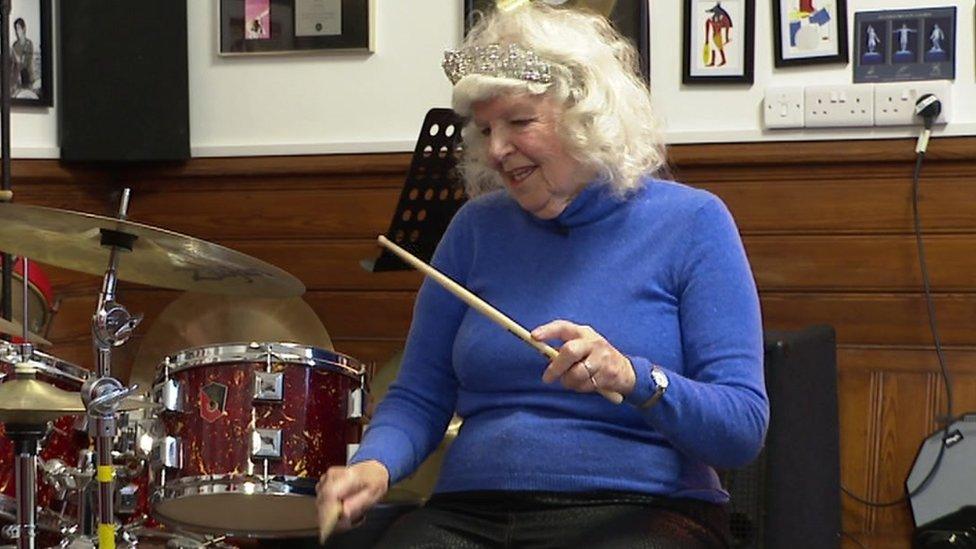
x=588, y=368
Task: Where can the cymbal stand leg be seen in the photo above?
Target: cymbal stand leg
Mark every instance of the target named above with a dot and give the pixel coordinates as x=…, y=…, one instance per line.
x=25, y=439
x=111, y=327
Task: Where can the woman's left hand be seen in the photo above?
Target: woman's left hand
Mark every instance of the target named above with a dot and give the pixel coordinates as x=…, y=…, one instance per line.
x=586, y=361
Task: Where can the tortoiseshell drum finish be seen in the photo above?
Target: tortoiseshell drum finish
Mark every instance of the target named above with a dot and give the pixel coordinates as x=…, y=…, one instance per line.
x=63, y=441
x=223, y=484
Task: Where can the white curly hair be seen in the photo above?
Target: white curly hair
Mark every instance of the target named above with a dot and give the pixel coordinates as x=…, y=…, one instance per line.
x=607, y=124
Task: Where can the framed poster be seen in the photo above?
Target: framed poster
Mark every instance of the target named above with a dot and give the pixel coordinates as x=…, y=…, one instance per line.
x=30, y=53
x=718, y=41
x=256, y=27
x=806, y=32
x=630, y=17
x=900, y=45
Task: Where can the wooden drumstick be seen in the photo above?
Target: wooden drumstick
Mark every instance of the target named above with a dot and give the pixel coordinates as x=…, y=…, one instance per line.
x=328, y=518
x=483, y=307
x=6, y=196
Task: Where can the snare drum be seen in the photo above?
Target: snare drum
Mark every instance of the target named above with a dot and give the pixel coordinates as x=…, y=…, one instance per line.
x=249, y=429
x=63, y=440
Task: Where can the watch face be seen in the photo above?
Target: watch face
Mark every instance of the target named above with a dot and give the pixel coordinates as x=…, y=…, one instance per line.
x=660, y=378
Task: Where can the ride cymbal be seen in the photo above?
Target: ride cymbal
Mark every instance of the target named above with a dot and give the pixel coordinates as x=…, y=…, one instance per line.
x=73, y=240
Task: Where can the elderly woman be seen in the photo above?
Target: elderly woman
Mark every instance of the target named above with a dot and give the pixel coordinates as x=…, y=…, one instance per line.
x=642, y=285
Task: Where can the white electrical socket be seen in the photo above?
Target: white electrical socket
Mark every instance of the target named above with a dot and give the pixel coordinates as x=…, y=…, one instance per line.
x=894, y=103
x=838, y=106
x=783, y=107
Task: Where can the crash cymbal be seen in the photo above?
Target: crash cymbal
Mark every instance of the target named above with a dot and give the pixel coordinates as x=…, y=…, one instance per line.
x=13, y=328
x=32, y=401
x=72, y=240
x=196, y=319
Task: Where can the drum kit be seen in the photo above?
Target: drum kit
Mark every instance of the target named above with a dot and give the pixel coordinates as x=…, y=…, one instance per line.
x=228, y=426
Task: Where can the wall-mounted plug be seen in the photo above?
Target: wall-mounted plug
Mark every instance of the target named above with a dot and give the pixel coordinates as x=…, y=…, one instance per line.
x=894, y=103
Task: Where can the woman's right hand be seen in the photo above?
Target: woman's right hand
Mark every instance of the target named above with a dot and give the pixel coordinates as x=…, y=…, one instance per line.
x=355, y=488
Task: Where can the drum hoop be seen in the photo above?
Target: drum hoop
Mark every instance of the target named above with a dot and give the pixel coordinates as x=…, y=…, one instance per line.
x=283, y=353
x=202, y=485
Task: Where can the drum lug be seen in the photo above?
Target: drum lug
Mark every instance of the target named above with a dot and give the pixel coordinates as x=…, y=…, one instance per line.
x=128, y=500
x=169, y=453
x=356, y=404
x=351, y=450
x=269, y=386
x=266, y=443
x=169, y=394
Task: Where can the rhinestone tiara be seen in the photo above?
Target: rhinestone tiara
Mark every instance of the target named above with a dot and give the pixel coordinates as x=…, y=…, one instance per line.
x=508, y=61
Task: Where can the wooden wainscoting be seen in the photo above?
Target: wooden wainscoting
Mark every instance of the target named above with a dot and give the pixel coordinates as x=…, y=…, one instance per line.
x=827, y=226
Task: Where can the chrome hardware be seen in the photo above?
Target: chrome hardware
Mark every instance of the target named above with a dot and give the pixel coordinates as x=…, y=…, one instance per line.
x=128, y=499
x=169, y=453
x=266, y=443
x=351, y=450
x=169, y=394
x=356, y=404
x=269, y=386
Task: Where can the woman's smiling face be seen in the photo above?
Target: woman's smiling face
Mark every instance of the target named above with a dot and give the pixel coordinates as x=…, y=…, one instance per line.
x=522, y=142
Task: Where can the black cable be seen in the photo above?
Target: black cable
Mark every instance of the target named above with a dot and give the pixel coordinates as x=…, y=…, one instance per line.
x=934, y=328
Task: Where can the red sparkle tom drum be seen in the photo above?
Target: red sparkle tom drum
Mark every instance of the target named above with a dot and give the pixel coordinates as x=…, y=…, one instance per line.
x=248, y=430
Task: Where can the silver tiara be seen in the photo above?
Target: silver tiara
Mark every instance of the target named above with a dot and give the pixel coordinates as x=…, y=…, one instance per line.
x=511, y=61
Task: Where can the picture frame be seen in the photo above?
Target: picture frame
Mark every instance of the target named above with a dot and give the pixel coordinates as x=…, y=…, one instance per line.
x=710, y=27
x=804, y=34
x=905, y=44
x=630, y=17
x=30, y=53
x=281, y=27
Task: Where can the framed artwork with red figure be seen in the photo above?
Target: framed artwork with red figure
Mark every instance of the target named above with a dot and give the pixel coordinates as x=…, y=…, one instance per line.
x=719, y=37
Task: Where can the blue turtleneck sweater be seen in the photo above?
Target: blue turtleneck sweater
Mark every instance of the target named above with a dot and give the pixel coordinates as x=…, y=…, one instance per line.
x=661, y=275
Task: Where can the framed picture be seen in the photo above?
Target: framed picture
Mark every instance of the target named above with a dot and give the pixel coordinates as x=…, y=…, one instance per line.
x=718, y=41
x=901, y=45
x=630, y=17
x=805, y=33
x=30, y=53
x=255, y=27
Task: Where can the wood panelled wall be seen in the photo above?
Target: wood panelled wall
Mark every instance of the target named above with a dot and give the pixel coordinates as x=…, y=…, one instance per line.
x=827, y=226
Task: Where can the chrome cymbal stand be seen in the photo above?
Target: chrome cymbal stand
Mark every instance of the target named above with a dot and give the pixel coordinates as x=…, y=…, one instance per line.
x=111, y=327
x=26, y=437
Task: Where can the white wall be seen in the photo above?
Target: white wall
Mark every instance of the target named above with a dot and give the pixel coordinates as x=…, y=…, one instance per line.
x=701, y=114
x=325, y=103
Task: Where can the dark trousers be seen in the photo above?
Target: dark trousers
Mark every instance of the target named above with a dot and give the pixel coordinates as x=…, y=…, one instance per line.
x=559, y=520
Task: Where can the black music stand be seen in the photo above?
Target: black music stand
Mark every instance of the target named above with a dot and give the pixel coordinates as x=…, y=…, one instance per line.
x=431, y=195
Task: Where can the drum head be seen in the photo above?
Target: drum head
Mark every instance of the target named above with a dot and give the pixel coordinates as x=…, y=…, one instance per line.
x=246, y=515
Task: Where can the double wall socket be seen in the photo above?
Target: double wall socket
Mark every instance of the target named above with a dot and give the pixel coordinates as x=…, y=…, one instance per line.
x=838, y=106
x=894, y=104
x=850, y=105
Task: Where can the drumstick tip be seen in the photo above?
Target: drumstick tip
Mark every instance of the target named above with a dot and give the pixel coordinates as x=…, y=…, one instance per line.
x=327, y=521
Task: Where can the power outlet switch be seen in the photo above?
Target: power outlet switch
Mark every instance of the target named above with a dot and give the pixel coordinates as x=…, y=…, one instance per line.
x=783, y=107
